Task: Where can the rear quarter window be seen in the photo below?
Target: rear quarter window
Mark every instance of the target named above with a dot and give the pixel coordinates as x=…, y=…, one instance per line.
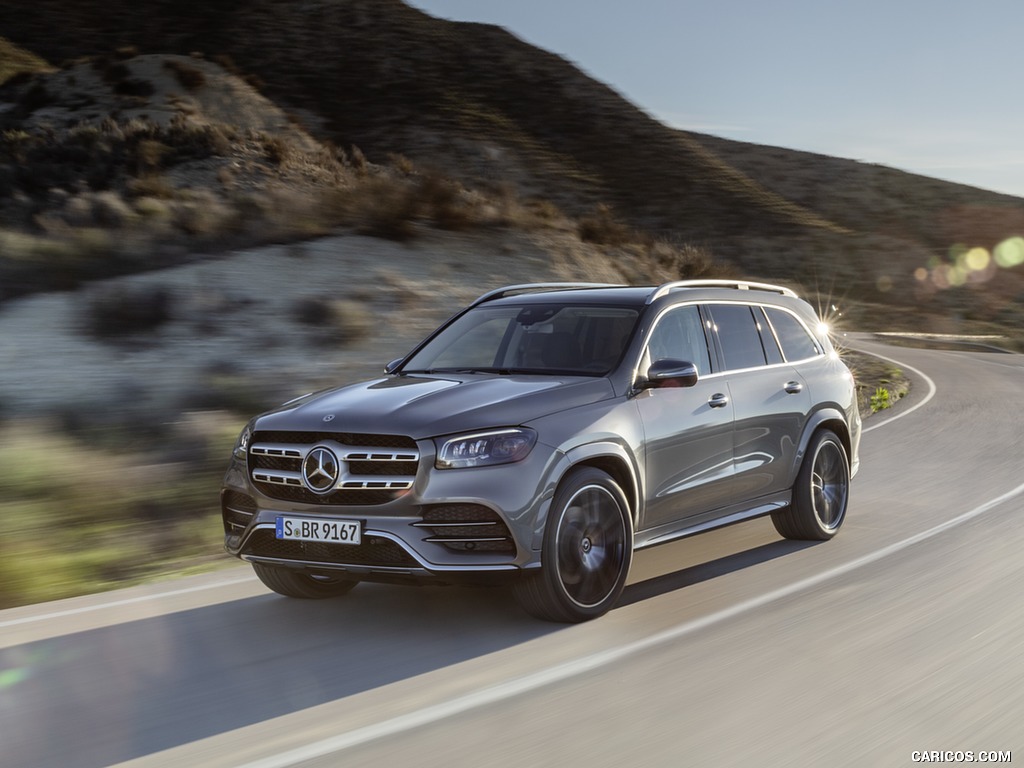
x=795, y=340
x=738, y=336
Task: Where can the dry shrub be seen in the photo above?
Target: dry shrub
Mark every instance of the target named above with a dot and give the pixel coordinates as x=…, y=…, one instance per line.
x=359, y=161
x=202, y=214
x=386, y=207
x=275, y=148
x=402, y=164
x=152, y=186
x=114, y=311
x=684, y=261
x=445, y=203
x=334, y=321
x=189, y=77
x=603, y=228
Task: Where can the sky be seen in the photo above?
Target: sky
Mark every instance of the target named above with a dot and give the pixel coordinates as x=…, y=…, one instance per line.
x=928, y=86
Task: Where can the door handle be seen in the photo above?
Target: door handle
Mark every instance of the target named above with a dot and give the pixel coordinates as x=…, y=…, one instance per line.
x=794, y=387
x=718, y=401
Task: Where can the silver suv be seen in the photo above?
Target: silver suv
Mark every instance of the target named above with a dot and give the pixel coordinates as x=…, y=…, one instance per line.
x=546, y=432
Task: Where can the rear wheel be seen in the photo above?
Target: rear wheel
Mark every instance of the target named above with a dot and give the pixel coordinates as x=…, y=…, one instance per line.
x=307, y=586
x=821, y=492
x=587, y=551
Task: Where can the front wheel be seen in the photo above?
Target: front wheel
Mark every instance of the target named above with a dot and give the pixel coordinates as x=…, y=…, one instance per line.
x=587, y=551
x=306, y=586
x=821, y=492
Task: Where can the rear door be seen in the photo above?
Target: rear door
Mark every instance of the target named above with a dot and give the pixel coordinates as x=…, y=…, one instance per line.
x=770, y=399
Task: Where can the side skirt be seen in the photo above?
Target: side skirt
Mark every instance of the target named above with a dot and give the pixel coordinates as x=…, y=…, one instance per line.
x=718, y=519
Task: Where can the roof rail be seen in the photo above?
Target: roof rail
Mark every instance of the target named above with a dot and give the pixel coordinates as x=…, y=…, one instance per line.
x=509, y=290
x=740, y=285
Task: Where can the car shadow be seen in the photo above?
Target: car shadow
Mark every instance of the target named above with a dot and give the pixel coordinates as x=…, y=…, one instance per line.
x=124, y=691
x=705, y=571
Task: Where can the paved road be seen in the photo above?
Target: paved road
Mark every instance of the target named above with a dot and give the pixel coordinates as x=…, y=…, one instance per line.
x=902, y=634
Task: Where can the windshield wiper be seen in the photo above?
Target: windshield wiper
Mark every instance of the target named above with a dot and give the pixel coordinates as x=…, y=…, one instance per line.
x=456, y=370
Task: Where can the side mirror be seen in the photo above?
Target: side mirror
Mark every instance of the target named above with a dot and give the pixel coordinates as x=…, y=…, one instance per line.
x=393, y=365
x=672, y=373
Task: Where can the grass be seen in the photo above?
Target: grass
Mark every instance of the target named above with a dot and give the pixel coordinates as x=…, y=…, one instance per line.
x=880, y=384
x=14, y=59
x=80, y=518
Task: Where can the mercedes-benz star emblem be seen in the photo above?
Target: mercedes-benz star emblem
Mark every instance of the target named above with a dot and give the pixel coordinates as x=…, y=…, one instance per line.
x=320, y=470
x=329, y=417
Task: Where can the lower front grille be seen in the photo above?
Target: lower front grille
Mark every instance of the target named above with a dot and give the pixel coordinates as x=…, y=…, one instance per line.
x=237, y=510
x=467, y=528
x=374, y=552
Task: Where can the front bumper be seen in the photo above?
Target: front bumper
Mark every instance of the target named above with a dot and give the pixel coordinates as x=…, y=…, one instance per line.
x=452, y=524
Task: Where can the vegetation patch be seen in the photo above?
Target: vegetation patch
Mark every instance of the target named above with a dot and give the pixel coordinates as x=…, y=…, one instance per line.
x=880, y=384
x=105, y=519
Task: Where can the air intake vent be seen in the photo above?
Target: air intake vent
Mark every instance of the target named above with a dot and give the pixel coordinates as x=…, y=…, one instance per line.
x=467, y=528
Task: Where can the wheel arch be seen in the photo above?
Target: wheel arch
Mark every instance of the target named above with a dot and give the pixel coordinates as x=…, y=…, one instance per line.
x=826, y=418
x=610, y=457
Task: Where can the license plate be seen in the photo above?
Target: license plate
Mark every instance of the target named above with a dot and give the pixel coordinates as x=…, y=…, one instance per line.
x=332, y=531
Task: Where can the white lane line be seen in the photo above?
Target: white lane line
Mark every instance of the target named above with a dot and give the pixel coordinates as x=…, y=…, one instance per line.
x=560, y=672
x=118, y=603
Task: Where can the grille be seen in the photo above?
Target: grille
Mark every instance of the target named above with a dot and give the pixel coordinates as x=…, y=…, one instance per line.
x=467, y=528
x=237, y=510
x=372, y=553
x=374, y=469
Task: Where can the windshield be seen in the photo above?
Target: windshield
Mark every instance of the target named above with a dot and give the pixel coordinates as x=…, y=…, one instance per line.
x=529, y=338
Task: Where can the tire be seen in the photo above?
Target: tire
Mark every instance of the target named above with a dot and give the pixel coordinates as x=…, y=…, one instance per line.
x=821, y=492
x=586, y=554
x=302, y=585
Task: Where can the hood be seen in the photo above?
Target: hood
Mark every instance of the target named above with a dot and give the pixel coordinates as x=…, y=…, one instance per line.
x=422, y=407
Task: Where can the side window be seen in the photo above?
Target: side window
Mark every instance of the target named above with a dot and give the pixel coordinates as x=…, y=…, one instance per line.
x=679, y=335
x=738, y=335
x=771, y=346
x=797, y=343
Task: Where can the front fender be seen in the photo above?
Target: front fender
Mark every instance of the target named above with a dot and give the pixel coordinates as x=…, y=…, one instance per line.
x=606, y=454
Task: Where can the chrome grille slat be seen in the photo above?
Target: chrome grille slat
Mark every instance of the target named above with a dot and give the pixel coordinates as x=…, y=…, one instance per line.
x=278, y=477
x=282, y=451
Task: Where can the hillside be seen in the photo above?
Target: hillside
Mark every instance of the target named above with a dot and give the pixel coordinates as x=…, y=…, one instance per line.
x=487, y=109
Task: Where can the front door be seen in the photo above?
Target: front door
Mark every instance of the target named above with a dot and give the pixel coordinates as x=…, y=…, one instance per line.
x=689, y=462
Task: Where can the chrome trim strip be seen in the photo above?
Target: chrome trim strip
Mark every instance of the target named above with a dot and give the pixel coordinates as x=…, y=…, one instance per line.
x=737, y=517
x=425, y=565
x=450, y=540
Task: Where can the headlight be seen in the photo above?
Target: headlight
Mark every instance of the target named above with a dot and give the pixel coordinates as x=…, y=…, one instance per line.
x=484, y=449
x=242, y=444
